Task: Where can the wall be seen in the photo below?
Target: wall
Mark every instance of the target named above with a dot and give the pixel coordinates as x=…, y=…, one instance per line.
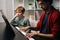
x=56, y=4
x=9, y=9
x=18, y=3
x=7, y=6
x=2, y=7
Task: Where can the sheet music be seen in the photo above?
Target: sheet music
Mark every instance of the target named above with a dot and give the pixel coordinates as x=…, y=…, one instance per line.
x=24, y=33
x=1, y=19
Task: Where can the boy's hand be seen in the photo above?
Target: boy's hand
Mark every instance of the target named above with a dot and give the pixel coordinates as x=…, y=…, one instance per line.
x=24, y=28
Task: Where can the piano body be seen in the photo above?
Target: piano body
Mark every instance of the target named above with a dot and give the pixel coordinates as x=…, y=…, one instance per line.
x=9, y=32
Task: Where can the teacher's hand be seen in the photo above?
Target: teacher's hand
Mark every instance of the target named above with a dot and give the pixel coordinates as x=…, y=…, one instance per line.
x=29, y=35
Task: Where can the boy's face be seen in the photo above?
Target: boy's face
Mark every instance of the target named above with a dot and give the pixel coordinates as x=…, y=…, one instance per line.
x=19, y=12
x=42, y=5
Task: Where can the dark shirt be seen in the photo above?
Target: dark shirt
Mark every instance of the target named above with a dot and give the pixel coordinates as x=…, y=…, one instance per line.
x=44, y=26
